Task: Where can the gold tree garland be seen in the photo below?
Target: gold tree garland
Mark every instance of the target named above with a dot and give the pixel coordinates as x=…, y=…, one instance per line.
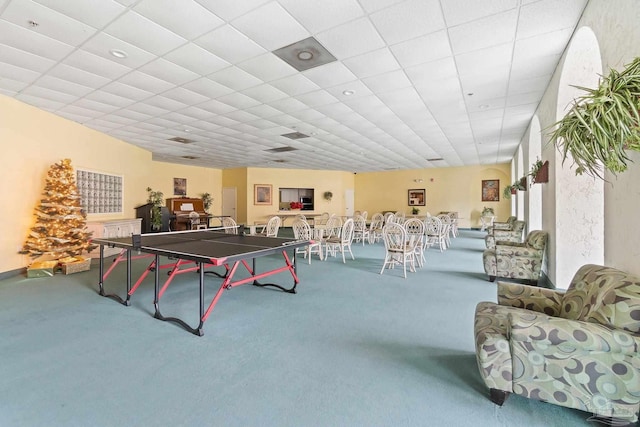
x=61, y=227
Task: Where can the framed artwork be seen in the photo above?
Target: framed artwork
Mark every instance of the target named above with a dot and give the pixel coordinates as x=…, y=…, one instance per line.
x=100, y=192
x=262, y=194
x=179, y=186
x=417, y=197
x=490, y=190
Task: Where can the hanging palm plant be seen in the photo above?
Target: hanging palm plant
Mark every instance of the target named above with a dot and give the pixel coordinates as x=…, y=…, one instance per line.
x=603, y=124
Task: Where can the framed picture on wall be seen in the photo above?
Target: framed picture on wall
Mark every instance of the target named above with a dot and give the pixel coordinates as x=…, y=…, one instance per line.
x=262, y=194
x=490, y=190
x=417, y=197
x=179, y=186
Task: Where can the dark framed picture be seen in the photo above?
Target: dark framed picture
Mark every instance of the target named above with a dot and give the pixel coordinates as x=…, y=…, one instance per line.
x=417, y=197
x=262, y=194
x=490, y=190
x=179, y=186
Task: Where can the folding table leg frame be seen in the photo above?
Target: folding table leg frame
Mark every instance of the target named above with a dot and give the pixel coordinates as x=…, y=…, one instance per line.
x=124, y=255
x=226, y=284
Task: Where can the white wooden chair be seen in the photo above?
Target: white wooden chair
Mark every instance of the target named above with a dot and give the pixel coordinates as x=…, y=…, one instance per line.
x=302, y=231
x=375, y=227
x=396, y=249
x=272, y=227
x=341, y=243
x=230, y=226
x=360, y=230
x=194, y=219
x=415, y=238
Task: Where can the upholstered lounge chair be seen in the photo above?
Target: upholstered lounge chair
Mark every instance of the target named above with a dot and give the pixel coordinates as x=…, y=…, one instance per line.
x=516, y=260
x=513, y=235
x=507, y=225
x=579, y=349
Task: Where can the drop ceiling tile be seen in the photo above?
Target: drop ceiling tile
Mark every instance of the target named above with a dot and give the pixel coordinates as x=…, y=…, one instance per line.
x=296, y=84
x=50, y=23
x=189, y=20
x=372, y=63
x=124, y=90
x=330, y=74
x=144, y=33
x=357, y=87
x=217, y=107
x=230, y=44
x=361, y=34
x=317, y=98
x=422, y=49
x=17, y=74
x=241, y=116
x=168, y=71
x=319, y=16
x=10, y=87
x=197, y=59
x=458, y=12
x=526, y=68
x=263, y=111
x=207, y=87
x=271, y=26
x=165, y=103
x=96, y=13
x=103, y=43
x=195, y=113
x=387, y=82
x=238, y=100
x=229, y=10
x=533, y=84
x=31, y=41
x=486, y=32
x=109, y=99
x=524, y=98
x=409, y=19
x=185, y=96
x=235, y=78
x=542, y=45
x=145, y=82
x=267, y=67
x=137, y=117
x=548, y=15
x=94, y=105
x=94, y=64
x=265, y=93
x=432, y=71
x=288, y=105
x=24, y=59
x=75, y=75
x=52, y=95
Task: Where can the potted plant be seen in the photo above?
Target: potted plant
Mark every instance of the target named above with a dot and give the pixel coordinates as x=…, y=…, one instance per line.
x=328, y=195
x=156, y=198
x=603, y=124
x=207, y=201
x=513, y=188
x=415, y=211
x=539, y=172
x=486, y=211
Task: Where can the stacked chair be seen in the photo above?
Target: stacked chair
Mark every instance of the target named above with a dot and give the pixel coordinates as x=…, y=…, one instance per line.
x=578, y=349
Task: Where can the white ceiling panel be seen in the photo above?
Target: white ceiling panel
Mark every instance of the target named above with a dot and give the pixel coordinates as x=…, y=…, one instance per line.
x=188, y=19
x=408, y=19
x=205, y=70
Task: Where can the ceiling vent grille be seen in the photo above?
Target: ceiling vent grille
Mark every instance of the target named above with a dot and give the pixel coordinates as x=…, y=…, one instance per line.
x=295, y=135
x=281, y=149
x=190, y=157
x=435, y=159
x=181, y=140
x=280, y=161
x=305, y=54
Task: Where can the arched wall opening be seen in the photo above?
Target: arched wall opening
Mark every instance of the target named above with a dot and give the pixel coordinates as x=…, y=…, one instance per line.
x=521, y=194
x=534, y=208
x=578, y=229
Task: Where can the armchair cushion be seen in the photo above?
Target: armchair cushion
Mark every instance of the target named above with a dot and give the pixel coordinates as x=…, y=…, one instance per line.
x=512, y=235
x=516, y=260
x=507, y=225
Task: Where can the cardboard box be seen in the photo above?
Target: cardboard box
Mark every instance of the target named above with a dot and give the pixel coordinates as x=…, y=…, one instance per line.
x=75, y=264
x=42, y=268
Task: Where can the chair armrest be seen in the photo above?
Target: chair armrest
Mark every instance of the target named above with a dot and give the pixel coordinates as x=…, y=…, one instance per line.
x=512, y=249
x=501, y=226
x=542, y=300
x=555, y=335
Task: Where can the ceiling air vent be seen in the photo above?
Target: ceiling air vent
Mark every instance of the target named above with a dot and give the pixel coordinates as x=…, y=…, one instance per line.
x=435, y=159
x=281, y=149
x=190, y=157
x=280, y=161
x=181, y=140
x=295, y=135
x=305, y=54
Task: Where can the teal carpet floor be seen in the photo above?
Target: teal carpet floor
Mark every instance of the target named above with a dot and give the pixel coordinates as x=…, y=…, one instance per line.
x=351, y=348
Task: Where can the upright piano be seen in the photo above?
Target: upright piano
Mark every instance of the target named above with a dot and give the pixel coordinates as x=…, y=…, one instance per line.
x=181, y=207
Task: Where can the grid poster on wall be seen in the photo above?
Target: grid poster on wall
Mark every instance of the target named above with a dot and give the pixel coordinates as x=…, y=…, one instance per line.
x=99, y=192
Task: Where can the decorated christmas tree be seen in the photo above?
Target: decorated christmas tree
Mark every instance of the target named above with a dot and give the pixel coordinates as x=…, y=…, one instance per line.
x=61, y=225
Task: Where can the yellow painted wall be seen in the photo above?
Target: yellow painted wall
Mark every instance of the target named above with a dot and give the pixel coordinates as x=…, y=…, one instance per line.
x=32, y=140
x=335, y=181
x=237, y=178
x=447, y=189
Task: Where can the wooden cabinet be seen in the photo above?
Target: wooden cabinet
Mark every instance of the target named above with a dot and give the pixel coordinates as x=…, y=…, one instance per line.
x=113, y=228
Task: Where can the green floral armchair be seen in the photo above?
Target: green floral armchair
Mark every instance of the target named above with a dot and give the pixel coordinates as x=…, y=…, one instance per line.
x=513, y=235
x=516, y=260
x=507, y=225
x=578, y=349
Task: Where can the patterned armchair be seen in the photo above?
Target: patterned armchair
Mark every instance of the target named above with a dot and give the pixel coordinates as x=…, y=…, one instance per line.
x=513, y=235
x=507, y=225
x=516, y=260
x=579, y=349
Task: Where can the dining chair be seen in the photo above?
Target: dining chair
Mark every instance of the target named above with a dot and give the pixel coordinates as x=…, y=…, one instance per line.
x=396, y=249
x=341, y=243
x=302, y=231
